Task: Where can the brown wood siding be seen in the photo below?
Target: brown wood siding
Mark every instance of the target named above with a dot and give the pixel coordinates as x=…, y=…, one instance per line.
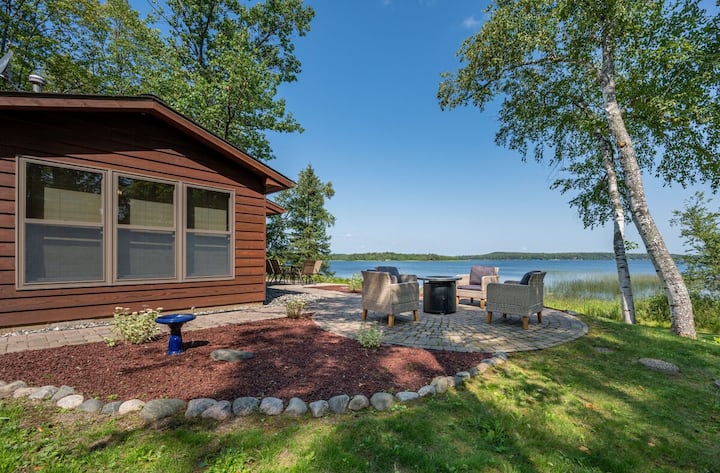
x=136, y=144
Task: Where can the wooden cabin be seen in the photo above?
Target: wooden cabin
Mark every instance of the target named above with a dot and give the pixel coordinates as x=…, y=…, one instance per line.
x=122, y=201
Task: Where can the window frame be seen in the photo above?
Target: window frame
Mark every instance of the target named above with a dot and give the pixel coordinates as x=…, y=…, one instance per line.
x=109, y=227
x=230, y=232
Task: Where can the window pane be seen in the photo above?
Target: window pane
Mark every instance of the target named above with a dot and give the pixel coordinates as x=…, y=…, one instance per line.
x=59, y=253
x=208, y=255
x=145, y=203
x=208, y=210
x=54, y=193
x=145, y=254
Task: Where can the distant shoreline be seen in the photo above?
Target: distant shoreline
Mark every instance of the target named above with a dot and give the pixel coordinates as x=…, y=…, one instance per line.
x=497, y=255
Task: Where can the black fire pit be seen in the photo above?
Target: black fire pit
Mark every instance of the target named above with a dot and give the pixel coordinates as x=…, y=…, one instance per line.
x=439, y=294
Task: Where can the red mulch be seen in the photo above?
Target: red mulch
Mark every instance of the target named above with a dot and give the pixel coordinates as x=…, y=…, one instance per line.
x=291, y=358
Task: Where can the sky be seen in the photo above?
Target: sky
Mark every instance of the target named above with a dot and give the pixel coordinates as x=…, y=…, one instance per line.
x=409, y=177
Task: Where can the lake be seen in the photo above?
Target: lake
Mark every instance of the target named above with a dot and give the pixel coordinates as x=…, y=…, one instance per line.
x=557, y=270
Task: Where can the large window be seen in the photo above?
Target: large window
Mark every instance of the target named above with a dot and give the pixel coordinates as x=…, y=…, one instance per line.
x=74, y=231
x=63, y=224
x=145, y=229
x=208, y=249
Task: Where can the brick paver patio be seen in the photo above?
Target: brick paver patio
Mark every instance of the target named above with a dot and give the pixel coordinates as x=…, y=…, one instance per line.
x=340, y=313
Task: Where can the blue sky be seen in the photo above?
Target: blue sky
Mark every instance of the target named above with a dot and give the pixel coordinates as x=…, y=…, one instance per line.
x=409, y=177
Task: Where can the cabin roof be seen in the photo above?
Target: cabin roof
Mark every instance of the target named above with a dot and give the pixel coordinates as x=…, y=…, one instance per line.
x=151, y=105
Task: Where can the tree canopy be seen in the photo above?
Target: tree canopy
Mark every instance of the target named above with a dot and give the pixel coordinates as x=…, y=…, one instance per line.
x=640, y=75
x=220, y=62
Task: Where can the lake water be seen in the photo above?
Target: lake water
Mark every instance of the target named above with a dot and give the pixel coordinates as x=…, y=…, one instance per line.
x=557, y=270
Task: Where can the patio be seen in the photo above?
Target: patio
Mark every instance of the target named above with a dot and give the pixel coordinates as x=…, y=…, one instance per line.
x=340, y=313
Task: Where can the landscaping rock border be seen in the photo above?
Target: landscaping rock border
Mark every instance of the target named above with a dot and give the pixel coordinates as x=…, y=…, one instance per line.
x=66, y=398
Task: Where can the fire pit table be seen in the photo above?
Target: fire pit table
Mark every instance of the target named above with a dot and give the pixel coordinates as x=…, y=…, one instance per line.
x=175, y=323
x=439, y=294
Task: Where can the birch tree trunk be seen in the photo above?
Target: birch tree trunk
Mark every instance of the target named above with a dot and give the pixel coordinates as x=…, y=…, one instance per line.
x=681, y=312
x=627, y=304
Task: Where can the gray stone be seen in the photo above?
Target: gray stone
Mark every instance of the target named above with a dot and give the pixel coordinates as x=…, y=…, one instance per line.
x=296, y=407
x=717, y=383
x=405, y=396
x=319, y=408
x=62, y=392
x=462, y=377
x=482, y=367
x=161, y=408
x=498, y=360
x=221, y=410
x=244, y=406
x=489, y=361
x=8, y=389
x=93, y=406
x=271, y=406
x=2, y=383
x=132, y=405
x=339, y=404
x=501, y=355
x=358, y=402
x=427, y=390
x=23, y=392
x=382, y=401
x=603, y=349
x=473, y=371
x=112, y=408
x=442, y=383
x=659, y=365
x=43, y=393
x=224, y=354
x=71, y=401
x=196, y=407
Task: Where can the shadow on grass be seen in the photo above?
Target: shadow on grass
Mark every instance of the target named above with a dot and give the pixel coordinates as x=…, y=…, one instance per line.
x=586, y=406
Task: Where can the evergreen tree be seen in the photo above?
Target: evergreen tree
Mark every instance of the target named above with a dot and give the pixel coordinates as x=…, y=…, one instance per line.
x=306, y=220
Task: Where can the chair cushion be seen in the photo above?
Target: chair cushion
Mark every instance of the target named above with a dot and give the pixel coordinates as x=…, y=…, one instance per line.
x=526, y=277
x=471, y=287
x=477, y=273
x=392, y=271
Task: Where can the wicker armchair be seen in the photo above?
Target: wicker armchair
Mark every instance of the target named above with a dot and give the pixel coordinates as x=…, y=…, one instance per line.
x=474, y=285
x=524, y=297
x=379, y=294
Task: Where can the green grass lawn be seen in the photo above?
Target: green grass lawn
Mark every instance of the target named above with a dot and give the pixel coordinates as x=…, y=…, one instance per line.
x=585, y=406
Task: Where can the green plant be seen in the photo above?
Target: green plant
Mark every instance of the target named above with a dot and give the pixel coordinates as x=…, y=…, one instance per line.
x=370, y=336
x=134, y=327
x=355, y=283
x=294, y=307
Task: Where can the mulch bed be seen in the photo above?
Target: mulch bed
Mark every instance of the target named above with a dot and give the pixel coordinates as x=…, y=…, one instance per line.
x=292, y=358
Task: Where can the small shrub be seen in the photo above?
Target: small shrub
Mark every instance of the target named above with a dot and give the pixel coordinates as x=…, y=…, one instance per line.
x=355, y=283
x=134, y=327
x=294, y=307
x=370, y=336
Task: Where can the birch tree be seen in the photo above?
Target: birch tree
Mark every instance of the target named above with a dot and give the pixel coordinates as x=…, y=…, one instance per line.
x=566, y=70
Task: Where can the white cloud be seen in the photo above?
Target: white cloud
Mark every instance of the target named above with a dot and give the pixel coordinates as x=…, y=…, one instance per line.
x=471, y=22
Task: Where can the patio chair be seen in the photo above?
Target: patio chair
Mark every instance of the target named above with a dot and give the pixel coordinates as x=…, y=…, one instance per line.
x=474, y=285
x=395, y=275
x=270, y=275
x=380, y=294
x=310, y=269
x=280, y=272
x=524, y=297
